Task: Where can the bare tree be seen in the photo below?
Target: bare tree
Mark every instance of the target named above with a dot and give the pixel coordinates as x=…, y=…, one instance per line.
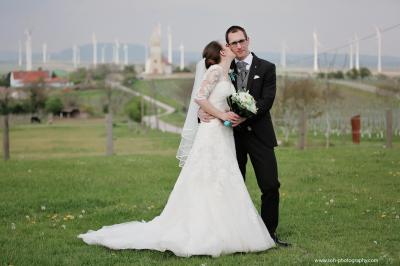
x=110, y=78
x=283, y=108
x=184, y=92
x=8, y=105
x=389, y=128
x=329, y=96
x=301, y=98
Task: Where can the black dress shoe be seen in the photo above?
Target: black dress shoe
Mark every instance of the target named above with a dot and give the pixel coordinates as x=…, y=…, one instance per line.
x=279, y=242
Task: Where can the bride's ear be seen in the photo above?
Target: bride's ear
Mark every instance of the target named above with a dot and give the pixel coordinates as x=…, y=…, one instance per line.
x=222, y=52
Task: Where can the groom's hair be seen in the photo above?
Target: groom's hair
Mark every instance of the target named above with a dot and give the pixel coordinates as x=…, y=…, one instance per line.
x=233, y=29
x=211, y=53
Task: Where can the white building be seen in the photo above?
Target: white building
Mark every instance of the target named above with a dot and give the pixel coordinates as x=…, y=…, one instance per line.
x=155, y=63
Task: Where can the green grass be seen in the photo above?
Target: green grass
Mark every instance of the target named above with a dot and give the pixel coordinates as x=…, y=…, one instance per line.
x=388, y=84
x=176, y=118
x=76, y=138
x=341, y=202
x=94, y=100
x=174, y=92
x=355, y=99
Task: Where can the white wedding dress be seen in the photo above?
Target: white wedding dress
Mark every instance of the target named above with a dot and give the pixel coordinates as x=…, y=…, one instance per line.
x=209, y=211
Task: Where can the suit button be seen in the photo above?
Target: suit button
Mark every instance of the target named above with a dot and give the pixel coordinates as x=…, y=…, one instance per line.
x=249, y=128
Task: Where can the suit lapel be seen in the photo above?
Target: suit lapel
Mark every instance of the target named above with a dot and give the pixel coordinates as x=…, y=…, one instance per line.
x=235, y=71
x=253, y=69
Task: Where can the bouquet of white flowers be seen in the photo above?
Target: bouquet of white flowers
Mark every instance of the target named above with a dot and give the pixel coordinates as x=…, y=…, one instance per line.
x=241, y=103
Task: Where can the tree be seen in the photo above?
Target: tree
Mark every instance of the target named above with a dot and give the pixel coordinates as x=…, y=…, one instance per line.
x=54, y=105
x=16, y=105
x=133, y=109
x=109, y=122
x=78, y=76
x=37, y=96
x=104, y=77
x=129, y=74
x=183, y=93
x=100, y=72
x=301, y=98
x=110, y=79
x=329, y=96
x=337, y=75
x=352, y=73
x=364, y=72
x=70, y=100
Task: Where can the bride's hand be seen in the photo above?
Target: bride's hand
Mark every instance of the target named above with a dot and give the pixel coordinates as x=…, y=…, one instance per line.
x=203, y=116
x=229, y=116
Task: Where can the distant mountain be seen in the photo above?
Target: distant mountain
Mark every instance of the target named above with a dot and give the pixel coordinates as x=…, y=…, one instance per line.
x=339, y=61
x=136, y=55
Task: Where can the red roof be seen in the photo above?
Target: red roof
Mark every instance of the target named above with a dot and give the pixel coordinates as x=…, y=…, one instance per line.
x=56, y=80
x=31, y=76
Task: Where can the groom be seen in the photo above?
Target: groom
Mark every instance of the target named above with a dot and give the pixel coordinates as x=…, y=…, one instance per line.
x=255, y=136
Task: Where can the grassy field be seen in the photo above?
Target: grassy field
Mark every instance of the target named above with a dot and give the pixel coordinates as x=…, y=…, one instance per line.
x=94, y=100
x=77, y=138
x=341, y=202
x=176, y=93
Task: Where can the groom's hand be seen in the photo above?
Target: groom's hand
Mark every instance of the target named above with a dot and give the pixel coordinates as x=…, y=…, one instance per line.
x=238, y=121
x=204, y=116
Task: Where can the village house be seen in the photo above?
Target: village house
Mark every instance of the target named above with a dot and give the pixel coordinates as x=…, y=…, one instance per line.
x=25, y=78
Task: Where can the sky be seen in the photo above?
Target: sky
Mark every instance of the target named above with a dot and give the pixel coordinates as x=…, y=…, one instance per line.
x=62, y=23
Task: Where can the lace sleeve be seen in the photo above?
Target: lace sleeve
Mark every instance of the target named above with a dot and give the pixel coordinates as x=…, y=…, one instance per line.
x=211, y=79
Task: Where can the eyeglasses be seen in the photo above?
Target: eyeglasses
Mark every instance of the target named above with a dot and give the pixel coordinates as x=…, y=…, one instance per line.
x=235, y=44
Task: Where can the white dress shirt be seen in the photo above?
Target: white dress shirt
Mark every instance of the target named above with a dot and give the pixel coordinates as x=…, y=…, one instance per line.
x=248, y=60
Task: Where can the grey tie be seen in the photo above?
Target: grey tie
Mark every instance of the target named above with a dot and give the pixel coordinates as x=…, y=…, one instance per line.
x=242, y=74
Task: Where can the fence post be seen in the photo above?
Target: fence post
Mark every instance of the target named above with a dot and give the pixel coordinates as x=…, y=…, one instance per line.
x=389, y=128
x=302, y=130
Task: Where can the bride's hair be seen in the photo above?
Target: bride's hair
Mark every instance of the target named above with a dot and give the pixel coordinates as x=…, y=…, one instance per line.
x=211, y=53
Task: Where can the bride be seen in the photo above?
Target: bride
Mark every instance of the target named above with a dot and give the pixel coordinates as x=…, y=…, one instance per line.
x=209, y=211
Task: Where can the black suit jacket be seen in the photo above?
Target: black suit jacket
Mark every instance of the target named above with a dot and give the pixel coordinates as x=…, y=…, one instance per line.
x=263, y=90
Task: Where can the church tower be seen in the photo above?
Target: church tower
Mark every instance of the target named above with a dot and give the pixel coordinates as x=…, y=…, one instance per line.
x=154, y=64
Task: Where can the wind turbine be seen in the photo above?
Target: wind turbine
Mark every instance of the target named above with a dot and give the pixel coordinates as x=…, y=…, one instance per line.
x=169, y=45
x=351, y=52
x=357, y=44
x=182, y=49
x=316, y=44
x=283, y=55
x=379, y=37
x=94, y=40
x=28, y=47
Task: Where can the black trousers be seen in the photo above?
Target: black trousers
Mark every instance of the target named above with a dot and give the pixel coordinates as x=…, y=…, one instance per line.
x=265, y=167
